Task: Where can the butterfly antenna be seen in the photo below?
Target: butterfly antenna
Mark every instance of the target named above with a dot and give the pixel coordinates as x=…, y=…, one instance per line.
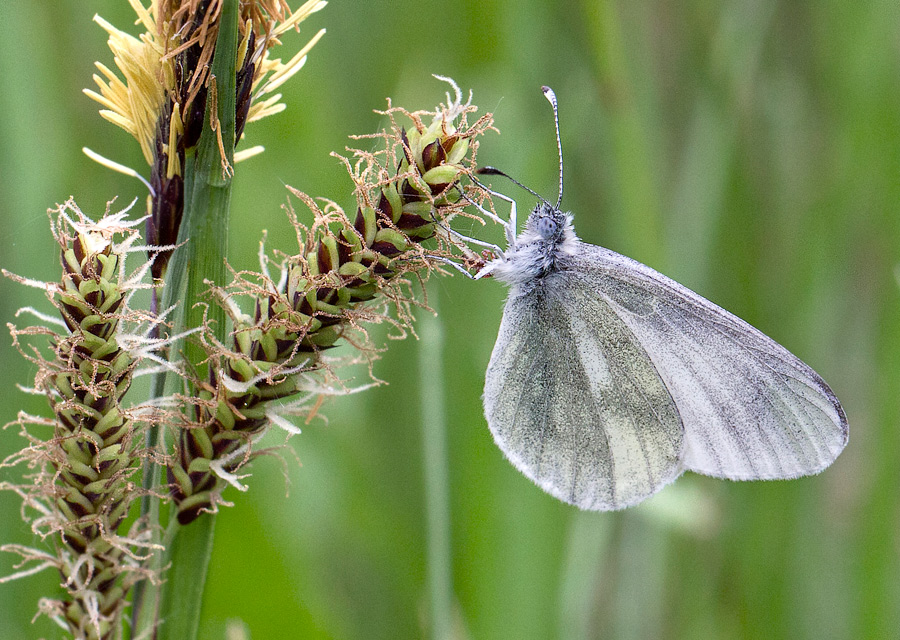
x=493, y=171
x=551, y=98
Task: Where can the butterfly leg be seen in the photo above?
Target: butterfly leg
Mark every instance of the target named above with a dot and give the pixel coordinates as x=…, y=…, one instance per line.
x=509, y=226
x=484, y=211
x=485, y=271
x=497, y=251
x=461, y=241
x=512, y=225
x=451, y=263
x=465, y=240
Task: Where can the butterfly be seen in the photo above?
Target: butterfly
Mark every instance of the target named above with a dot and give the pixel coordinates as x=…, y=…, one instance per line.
x=608, y=380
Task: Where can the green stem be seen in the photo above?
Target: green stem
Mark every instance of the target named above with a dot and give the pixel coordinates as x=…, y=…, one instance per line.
x=201, y=259
x=587, y=544
x=434, y=445
x=145, y=601
x=188, y=550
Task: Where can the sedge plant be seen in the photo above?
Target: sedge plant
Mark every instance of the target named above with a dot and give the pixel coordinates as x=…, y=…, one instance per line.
x=124, y=491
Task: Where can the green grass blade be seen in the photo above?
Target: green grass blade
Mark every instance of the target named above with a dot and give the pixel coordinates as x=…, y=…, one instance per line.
x=437, y=492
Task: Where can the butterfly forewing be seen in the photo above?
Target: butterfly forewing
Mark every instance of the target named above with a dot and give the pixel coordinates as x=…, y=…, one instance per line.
x=575, y=402
x=750, y=408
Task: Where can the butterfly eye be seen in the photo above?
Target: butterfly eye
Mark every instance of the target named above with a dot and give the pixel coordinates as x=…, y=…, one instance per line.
x=546, y=227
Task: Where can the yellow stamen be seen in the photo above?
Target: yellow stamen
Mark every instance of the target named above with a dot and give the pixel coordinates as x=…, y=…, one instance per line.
x=240, y=156
x=299, y=16
x=176, y=129
x=281, y=73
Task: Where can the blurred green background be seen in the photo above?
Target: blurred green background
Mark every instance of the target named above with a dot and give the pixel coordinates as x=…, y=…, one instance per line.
x=748, y=148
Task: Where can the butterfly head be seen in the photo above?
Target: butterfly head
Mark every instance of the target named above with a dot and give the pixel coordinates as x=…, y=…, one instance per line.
x=548, y=224
x=548, y=231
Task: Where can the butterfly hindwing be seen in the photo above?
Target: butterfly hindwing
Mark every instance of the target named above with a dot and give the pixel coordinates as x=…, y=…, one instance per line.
x=576, y=404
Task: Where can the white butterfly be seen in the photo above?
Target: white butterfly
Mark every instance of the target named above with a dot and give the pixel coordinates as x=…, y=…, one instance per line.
x=608, y=380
